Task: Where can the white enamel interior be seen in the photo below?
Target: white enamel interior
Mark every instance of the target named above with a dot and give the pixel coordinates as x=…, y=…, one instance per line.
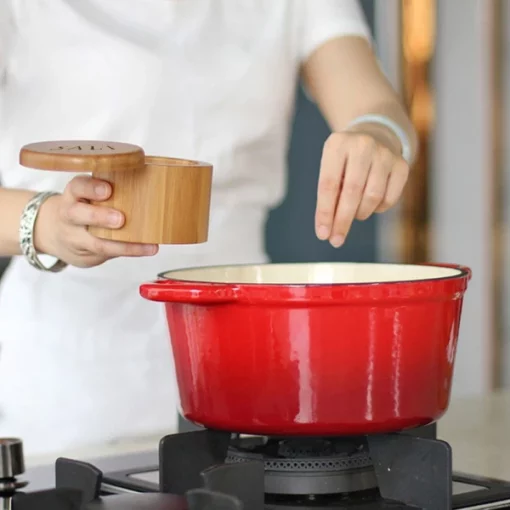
x=314, y=273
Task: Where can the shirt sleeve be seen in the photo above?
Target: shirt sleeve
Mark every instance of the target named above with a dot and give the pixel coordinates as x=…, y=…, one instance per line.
x=322, y=20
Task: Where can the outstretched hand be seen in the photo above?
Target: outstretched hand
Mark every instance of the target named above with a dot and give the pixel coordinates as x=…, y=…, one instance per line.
x=359, y=176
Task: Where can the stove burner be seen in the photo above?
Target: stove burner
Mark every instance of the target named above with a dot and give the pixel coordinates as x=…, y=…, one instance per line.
x=308, y=466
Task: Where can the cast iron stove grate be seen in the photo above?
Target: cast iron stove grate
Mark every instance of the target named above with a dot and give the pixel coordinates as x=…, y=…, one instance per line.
x=213, y=470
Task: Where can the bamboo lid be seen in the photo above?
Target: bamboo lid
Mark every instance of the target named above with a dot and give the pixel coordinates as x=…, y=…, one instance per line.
x=82, y=156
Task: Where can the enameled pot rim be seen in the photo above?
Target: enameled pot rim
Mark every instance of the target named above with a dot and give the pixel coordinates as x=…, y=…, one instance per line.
x=464, y=272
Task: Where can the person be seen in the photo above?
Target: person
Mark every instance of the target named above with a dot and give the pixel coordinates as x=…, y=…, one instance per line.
x=84, y=359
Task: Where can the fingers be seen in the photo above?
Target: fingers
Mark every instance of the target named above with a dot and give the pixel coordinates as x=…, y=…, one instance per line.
x=359, y=161
x=78, y=212
x=396, y=184
x=112, y=249
x=84, y=214
x=84, y=187
x=331, y=174
x=98, y=251
x=78, y=246
x=375, y=188
x=359, y=176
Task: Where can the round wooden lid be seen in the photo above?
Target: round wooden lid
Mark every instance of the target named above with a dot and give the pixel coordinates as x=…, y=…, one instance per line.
x=82, y=156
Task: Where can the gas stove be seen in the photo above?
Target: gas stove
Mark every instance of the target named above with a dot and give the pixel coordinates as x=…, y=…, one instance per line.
x=213, y=470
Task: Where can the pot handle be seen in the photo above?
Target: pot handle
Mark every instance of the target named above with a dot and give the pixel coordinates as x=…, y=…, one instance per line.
x=167, y=291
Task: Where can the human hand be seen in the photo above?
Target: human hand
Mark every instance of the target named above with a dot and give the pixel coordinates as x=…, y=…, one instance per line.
x=61, y=227
x=359, y=175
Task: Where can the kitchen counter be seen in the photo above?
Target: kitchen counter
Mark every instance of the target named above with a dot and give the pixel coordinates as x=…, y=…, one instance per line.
x=478, y=429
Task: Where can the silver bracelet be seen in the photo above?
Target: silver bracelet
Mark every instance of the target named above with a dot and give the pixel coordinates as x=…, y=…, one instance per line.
x=26, y=233
x=385, y=121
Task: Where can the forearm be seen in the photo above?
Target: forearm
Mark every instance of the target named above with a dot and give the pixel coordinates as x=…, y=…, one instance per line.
x=12, y=203
x=344, y=78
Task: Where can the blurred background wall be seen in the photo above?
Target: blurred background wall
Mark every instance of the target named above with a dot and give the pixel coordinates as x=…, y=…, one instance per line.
x=465, y=171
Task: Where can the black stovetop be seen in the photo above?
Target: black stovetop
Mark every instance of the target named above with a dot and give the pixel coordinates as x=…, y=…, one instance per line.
x=198, y=471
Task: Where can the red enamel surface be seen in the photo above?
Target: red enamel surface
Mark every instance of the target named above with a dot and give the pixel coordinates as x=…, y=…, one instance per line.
x=342, y=359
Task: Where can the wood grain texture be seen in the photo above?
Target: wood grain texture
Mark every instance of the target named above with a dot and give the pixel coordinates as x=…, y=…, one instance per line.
x=82, y=156
x=167, y=202
x=164, y=200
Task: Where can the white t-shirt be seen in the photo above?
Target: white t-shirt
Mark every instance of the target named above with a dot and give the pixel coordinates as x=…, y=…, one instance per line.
x=83, y=359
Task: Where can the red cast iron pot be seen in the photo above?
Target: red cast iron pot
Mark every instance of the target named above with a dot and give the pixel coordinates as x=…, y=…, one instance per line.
x=313, y=349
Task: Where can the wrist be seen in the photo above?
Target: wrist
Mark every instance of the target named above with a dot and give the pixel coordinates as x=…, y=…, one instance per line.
x=44, y=228
x=381, y=134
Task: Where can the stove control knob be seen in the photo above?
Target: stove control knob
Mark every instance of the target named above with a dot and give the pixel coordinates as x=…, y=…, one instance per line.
x=12, y=462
